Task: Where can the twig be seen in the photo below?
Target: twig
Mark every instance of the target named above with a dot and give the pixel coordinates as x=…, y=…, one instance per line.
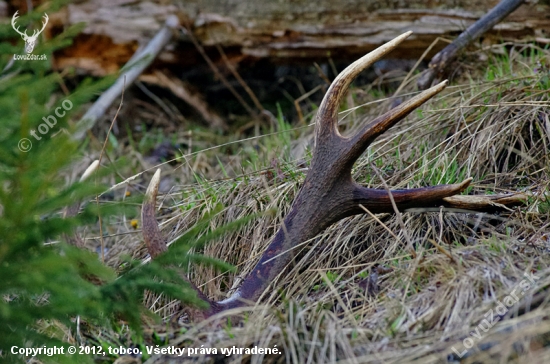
x=136, y=65
x=240, y=80
x=322, y=73
x=379, y=221
x=442, y=250
x=486, y=203
x=397, y=212
x=99, y=163
x=218, y=74
x=72, y=210
x=302, y=98
x=179, y=89
x=441, y=61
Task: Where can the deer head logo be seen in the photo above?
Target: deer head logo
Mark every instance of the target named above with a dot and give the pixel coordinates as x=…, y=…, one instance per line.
x=29, y=41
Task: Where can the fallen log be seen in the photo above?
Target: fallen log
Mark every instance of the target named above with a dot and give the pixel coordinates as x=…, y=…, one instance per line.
x=280, y=31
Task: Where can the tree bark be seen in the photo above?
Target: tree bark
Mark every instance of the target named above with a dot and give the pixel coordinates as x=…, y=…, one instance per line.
x=283, y=30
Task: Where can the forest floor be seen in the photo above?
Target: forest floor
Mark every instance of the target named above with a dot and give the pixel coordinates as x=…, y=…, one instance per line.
x=474, y=291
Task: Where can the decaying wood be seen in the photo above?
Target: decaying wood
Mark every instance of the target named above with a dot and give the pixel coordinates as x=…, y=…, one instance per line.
x=486, y=203
x=282, y=30
x=136, y=65
x=439, y=65
x=328, y=193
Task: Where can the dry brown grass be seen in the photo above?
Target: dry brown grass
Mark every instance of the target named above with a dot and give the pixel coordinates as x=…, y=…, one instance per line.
x=317, y=311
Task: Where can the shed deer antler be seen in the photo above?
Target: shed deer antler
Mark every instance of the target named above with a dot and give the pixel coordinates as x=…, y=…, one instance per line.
x=29, y=41
x=329, y=192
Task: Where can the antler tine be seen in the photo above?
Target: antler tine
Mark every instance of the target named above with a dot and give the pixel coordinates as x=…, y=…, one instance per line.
x=91, y=169
x=44, y=23
x=378, y=201
x=36, y=31
x=150, y=230
x=13, y=19
x=156, y=244
x=327, y=116
x=371, y=131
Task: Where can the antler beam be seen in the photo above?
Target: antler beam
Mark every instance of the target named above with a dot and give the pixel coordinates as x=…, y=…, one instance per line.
x=329, y=192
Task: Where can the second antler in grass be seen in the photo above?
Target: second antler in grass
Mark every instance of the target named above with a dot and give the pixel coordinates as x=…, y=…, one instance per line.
x=329, y=193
